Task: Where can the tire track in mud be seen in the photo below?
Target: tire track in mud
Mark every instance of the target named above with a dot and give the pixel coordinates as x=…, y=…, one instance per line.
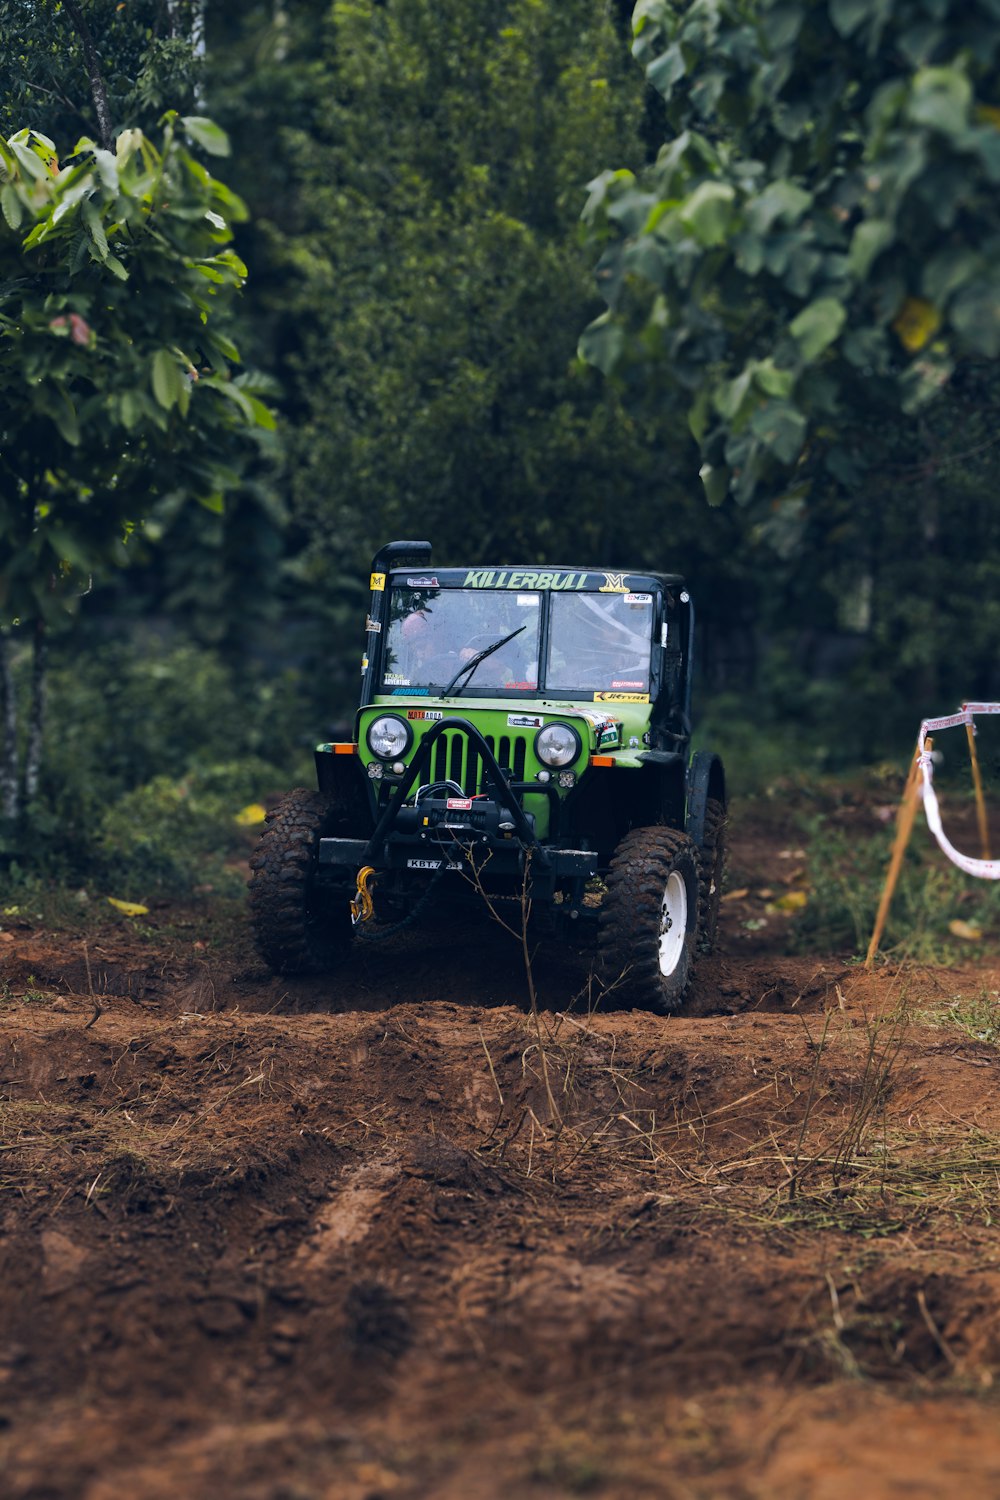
x=325, y=1239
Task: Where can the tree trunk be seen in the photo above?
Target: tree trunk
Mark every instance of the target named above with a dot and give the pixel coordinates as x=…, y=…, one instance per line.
x=36, y=714
x=98, y=92
x=9, y=794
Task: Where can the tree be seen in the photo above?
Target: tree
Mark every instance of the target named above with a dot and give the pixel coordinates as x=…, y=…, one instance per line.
x=817, y=239
x=443, y=283
x=96, y=66
x=116, y=384
x=807, y=277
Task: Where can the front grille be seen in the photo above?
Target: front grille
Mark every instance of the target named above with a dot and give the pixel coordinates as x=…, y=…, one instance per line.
x=453, y=758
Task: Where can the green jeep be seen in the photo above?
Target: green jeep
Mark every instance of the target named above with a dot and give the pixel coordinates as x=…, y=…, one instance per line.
x=523, y=732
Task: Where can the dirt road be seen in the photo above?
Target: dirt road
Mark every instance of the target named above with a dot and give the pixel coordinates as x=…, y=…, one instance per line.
x=386, y=1235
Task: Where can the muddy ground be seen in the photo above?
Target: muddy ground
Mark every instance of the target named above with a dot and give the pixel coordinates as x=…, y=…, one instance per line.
x=388, y=1235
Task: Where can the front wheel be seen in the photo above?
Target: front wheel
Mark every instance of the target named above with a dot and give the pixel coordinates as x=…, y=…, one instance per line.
x=649, y=920
x=298, y=926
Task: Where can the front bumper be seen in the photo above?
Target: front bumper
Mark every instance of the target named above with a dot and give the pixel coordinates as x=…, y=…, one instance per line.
x=487, y=836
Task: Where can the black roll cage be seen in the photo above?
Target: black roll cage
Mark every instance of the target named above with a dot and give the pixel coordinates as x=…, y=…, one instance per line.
x=417, y=554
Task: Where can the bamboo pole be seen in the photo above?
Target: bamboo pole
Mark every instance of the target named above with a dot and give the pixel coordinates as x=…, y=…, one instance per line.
x=904, y=827
x=977, y=781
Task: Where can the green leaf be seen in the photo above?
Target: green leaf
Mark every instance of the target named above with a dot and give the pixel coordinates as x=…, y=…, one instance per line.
x=975, y=313
x=168, y=380
x=666, y=70
x=63, y=413
x=779, y=200
x=92, y=219
x=602, y=343
x=950, y=269
x=11, y=205
x=771, y=380
x=131, y=409
x=781, y=427
x=206, y=134
x=699, y=415
x=941, y=98
x=708, y=212
x=263, y=415
x=817, y=326
x=68, y=549
x=867, y=243
x=715, y=478
x=847, y=15
x=731, y=396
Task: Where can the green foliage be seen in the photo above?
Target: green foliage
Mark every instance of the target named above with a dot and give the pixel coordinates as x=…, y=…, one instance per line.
x=147, y=54
x=116, y=387
x=846, y=872
x=169, y=836
x=442, y=282
x=153, y=749
x=815, y=246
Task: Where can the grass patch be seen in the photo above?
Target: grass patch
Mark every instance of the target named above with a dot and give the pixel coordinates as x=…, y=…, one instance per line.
x=977, y=1015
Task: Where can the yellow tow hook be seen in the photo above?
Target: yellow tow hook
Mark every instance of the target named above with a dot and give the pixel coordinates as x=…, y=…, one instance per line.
x=362, y=903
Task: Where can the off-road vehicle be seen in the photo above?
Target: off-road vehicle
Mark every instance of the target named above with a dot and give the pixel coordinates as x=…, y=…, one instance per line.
x=521, y=730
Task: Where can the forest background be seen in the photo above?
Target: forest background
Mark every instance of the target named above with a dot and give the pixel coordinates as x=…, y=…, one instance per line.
x=424, y=267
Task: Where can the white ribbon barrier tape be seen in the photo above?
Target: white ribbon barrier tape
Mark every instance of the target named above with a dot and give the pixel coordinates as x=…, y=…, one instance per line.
x=966, y=715
x=931, y=726
x=984, y=869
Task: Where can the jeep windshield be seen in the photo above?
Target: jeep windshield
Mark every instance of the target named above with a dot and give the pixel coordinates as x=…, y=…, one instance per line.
x=596, y=641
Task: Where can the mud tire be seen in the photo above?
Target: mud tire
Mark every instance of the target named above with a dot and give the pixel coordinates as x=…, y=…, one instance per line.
x=639, y=963
x=298, y=927
x=711, y=872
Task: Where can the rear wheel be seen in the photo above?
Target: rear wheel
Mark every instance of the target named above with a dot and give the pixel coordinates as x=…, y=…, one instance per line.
x=299, y=927
x=648, y=920
x=711, y=870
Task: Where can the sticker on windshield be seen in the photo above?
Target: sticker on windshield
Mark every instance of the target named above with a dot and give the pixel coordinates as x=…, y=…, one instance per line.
x=524, y=721
x=392, y=679
x=523, y=599
x=627, y=682
x=638, y=598
x=621, y=697
x=422, y=583
x=503, y=578
x=411, y=692
x=424, y=713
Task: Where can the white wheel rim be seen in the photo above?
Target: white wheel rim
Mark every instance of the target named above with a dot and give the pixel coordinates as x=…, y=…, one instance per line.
x=673, y=923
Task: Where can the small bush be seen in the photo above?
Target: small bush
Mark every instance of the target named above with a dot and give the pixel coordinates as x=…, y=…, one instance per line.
x=172, y=835
x=151, y=748
x=847, y=871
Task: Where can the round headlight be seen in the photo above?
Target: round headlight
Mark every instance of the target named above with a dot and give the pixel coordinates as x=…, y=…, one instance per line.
x=388, y=737
x=557, y=745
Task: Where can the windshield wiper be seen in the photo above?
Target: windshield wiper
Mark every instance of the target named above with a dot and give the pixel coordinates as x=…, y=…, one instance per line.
x=473, y=662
